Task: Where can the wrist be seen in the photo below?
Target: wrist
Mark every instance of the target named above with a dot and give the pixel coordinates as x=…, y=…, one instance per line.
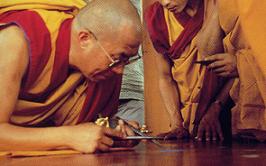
x=218, y=105
x=66, y=136
x=176, y=120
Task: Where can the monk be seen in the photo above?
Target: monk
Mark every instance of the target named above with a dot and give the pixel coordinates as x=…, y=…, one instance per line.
x=243, y=61
x=193, y=95
x=59, y=72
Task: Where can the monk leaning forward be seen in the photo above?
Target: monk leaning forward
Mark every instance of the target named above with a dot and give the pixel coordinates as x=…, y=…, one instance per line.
x=243, y=65
x=244, y=41
x=193, y=95
x=61, y=70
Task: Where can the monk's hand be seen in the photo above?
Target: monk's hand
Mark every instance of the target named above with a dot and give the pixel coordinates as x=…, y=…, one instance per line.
x=90, y=138
x=175, y=133
x=127, y=131
x=209, y=127
x=223, y=64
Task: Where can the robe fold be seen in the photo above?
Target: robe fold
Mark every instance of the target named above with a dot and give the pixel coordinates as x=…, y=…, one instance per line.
x=174, y=36
x=249, y=90
x=51, y=92
x=252, y=18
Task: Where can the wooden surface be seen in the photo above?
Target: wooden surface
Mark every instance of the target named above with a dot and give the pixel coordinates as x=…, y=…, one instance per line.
x=146, y=153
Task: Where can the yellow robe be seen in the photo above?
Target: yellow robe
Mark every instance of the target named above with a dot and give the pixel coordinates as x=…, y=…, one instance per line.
x=188, y=75
x=53, y=13
x=249, y=90
x=252, y=18
x=62, y=5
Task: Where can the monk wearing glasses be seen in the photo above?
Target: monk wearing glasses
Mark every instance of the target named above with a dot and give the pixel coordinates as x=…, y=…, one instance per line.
x=61, y=65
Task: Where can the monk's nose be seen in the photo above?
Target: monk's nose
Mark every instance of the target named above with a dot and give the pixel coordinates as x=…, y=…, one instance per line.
x=165, y=3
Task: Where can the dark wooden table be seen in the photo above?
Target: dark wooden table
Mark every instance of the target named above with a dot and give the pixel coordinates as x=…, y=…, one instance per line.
x=146, y=153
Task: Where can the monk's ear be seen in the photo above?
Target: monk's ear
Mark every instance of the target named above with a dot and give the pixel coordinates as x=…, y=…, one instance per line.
x=85, y=38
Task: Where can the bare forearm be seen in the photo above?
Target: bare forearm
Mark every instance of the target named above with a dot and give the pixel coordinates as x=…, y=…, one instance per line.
x=20, y=138
x=170, y=97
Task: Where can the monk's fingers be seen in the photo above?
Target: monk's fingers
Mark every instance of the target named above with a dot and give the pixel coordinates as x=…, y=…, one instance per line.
x=118, y=128
x=104, y=148
x=215, y=57
x=112, y=132
x=216, y=64
x=134, y=124
x=182, y=133
x=129, y=131
x=208, y=133
x=123, y=127
x=200, y=133
x=214, y=133
x=224, y=74
x=170, y=135
x=166, y=135
x=219, y=131
x=121, y=123
x=220, y=70
x=107, y=141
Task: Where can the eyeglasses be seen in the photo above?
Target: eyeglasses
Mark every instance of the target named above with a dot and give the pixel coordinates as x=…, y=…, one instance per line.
x=123, y=60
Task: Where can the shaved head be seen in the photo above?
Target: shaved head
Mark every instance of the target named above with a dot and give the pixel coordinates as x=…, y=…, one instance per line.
x=108, y=18
x=104, y=32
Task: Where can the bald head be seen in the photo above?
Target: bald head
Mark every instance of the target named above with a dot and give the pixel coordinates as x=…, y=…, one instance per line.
x=110, y=18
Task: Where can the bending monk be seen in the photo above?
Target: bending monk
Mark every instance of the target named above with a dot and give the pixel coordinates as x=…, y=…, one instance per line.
x=243, y=62
x=58, y=72
x=191, y=93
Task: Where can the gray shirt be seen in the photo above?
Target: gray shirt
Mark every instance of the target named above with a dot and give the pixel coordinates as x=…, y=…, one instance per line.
x=133, y=77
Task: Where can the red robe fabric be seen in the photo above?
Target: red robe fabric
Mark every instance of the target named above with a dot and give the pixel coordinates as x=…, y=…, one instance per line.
x=158, y=31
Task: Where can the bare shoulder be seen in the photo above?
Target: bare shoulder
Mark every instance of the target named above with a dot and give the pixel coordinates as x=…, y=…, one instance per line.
x=13, y=49
x=12, y=36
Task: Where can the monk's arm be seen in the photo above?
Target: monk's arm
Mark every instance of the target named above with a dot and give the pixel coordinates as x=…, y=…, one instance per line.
x=169, y=91
x=13, y=64
x=210, y=123
x=223, y=95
